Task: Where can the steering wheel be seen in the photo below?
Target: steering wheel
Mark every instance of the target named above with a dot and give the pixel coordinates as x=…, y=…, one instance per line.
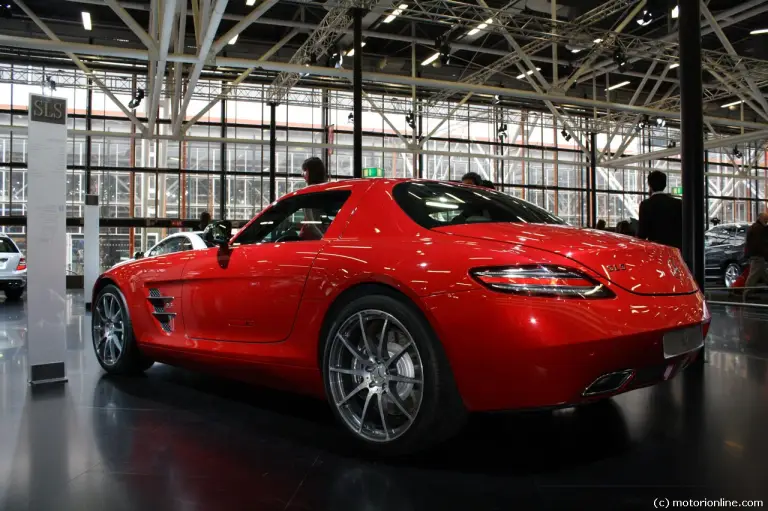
x=288, y=237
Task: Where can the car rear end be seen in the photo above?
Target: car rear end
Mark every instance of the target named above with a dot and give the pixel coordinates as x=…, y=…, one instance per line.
x=13, y=268
x=553, y=315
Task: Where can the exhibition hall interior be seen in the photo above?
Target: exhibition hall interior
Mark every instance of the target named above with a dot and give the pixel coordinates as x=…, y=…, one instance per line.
x=372, y=254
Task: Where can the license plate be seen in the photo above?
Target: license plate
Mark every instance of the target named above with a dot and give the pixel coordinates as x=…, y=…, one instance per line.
x=683, y=341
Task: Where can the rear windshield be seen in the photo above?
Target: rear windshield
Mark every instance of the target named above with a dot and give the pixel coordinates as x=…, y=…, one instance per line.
x=7, y=246
x=439, y=204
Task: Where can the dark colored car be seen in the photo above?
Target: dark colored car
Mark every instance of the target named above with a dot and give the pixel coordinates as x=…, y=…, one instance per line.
x=724, y=252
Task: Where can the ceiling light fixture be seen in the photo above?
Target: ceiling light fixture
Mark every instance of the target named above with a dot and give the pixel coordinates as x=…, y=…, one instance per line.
x=87, y=20
x=729, y=105
x=351, y=52
x=646, y=18
x=618, y=85
x=527, y=73
x=620, y=59
x=234, y=39
x=480, y=27
x=566, y=135
x=250, y=3
x=661, y=122
x=136, y=101
x=351, y=118
x=397, y=12
x=759, y=31
x=676, y=12
x=430, y=59
x=597, y=41
x=673, y=66
x=576, y=50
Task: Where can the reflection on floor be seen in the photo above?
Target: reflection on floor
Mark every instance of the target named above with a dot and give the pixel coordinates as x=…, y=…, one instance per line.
x=181, y=440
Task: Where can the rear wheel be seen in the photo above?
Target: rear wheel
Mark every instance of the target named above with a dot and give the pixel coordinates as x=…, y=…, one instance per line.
x=13, y=295
x=732, y=273
x=112, y=333
x=388, y=379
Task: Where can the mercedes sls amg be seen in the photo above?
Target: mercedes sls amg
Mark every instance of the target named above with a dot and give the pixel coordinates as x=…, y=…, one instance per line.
x=408, y=304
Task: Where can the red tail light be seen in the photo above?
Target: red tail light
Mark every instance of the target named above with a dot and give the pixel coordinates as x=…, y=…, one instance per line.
x=541, y=280
x=22, y=264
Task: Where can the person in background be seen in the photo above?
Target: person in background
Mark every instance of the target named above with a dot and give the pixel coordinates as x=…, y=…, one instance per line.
x=624, y=227
x=488, y=184
x=314, y=173
x=472, y=178
x=661, y=215
x=756, y=250
x=205, y=219
x=600, y=225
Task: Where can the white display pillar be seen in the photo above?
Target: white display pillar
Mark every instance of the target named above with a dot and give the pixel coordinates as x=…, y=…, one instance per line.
x=46, y=238
x=91, y=266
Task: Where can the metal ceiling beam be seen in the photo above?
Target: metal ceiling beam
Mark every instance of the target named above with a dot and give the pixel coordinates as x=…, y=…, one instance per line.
x=709, y=144
x=239, y=79
x=383, y=78
x=131, y=23
x=202, y=58
x=756, y=94
x=179, y=44
x=79, y=63
x=166, y=30
x=241, y=25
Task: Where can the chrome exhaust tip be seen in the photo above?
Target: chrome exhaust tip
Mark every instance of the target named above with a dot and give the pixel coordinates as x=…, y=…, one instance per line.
x=608, y=383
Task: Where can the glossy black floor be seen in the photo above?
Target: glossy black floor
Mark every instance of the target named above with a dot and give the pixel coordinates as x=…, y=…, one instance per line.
x=176, y=440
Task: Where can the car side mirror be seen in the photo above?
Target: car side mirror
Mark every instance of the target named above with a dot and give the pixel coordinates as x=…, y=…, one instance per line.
x=138, y=255
x=218, y=234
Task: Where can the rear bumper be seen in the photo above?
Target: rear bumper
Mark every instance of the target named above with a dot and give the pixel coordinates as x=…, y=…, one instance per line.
x=13, y=281
x=536, y=353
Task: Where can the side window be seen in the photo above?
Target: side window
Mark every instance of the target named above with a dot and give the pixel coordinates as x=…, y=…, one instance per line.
x=168, y=246
x=300, y=218
x=185, y=244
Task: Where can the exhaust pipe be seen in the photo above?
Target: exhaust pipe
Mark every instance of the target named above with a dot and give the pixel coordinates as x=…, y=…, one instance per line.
x=608, y=383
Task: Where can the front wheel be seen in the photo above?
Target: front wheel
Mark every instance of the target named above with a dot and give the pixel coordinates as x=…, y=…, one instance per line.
x=388, y=379
x=732, y=273
x=112, y=333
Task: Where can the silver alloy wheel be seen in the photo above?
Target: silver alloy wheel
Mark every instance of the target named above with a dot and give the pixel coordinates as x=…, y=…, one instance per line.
x=376, y=375
x=732, y=272
x=108, y=329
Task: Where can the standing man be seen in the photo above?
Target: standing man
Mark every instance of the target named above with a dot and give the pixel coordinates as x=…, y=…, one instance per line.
x=661, y=215
x=205, y=219
x=757, y=252
x=472, y=178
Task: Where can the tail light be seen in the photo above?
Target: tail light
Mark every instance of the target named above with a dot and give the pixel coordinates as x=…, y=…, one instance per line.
x=541, y=280
x=22, y=264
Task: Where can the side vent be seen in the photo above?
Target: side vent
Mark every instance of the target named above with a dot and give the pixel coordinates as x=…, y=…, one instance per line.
x=160, y=304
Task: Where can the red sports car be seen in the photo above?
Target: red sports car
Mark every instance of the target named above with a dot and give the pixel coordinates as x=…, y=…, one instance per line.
x=408, y=304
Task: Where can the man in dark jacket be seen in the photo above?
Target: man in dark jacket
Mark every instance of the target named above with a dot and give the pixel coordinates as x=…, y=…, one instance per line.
x=757, y=251
x=661, y=215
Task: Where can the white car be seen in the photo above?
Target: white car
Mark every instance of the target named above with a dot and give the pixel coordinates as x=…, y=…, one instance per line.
x=178, y=242
x=13, y=269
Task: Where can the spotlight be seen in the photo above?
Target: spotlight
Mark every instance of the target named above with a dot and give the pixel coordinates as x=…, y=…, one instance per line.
x=136, y=101
x=443, y=53
x=661, y=122
x=410, y=120
x=335, y=59
x=621, y=60
x=645, y=121
x=6, y=10
x=566, y=135
x=501, y=131
x=351, y=118
x=645, y=19
x=736, y=152
x=49, y=82
x=672, y=144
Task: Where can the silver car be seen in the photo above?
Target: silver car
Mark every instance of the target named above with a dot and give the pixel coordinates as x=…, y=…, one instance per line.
x=13, y=269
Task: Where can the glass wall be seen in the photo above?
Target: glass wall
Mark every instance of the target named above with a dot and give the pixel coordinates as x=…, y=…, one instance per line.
x=223, y=164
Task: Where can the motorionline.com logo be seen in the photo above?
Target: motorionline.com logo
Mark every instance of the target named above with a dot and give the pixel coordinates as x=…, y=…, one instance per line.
x=716, y=503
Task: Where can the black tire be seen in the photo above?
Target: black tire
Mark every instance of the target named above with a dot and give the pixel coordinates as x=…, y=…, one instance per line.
x=441, y=413
x=13, y=295
x=130, y=360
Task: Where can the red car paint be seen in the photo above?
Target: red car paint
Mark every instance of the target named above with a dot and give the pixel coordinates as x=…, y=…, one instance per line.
x=255, y=312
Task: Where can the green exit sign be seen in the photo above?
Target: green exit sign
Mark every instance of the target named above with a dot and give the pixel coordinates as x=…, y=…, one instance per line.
x=677, y=190
x=373, y=172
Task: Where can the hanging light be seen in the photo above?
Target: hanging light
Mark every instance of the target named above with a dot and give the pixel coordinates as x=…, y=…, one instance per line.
x=661, y=122
x=351, y=118
x=566, y=135
x=410, y=120
x=620, y=59
x=645, y=19
x=136, y=101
